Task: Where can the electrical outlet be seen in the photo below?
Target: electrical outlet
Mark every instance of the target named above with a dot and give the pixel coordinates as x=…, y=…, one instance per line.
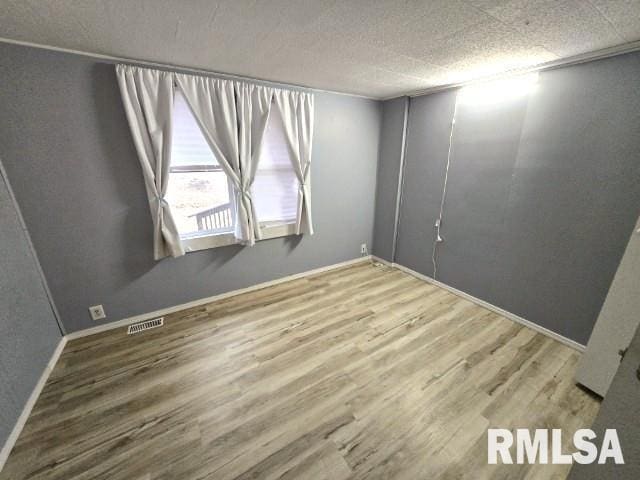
x=97, y=312
x=363, y=249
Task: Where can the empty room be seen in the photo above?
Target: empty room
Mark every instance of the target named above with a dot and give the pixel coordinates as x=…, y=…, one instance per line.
x=319, y=239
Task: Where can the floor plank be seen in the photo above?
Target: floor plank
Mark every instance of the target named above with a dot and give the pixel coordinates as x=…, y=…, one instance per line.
x=361, y=372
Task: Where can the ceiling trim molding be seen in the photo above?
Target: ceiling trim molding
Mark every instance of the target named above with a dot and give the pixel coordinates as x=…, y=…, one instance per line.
x=559, y=63
x=181, y=68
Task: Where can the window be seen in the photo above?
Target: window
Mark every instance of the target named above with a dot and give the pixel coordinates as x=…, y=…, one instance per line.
x=199, y=191
x=201, y=196
x=275, y=187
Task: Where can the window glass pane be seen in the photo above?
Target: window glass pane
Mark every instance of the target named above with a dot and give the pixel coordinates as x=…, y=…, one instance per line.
x=198, y=189
x=275, y=188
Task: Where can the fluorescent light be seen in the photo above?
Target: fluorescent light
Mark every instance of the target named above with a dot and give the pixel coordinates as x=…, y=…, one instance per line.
x=500, y=90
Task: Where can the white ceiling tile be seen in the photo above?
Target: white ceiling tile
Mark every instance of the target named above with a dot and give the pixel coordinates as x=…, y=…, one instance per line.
x=478, y=42
x=371, y=47
x=510, y=11
x=567, y=27
x=623, y=14
x=496, y=63
x=410, y=66
x=384, y=23
x=346, y=22
x=440, y=19
x=387, y=77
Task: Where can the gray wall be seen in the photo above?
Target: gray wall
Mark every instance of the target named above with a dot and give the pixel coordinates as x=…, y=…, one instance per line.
x=72, y=164
x=542, y=194
x=388, y=171
x=28, y=330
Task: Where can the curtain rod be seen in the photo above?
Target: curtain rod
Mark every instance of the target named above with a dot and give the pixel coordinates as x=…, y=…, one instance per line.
x=180, y=68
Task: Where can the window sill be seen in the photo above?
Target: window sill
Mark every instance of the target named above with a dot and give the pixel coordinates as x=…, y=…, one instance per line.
x=205, y=242
x=194, y=244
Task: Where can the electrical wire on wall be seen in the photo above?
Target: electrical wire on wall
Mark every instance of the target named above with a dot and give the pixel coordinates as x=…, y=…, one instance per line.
x=438, y=224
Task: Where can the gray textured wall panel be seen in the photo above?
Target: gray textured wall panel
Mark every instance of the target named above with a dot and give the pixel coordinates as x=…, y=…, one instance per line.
x=28, y=330
x=542, y=195
x=476, y=227
x=388, y=171
x=72, y=163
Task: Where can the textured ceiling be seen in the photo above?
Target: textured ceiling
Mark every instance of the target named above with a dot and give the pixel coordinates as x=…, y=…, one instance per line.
x=368, y=47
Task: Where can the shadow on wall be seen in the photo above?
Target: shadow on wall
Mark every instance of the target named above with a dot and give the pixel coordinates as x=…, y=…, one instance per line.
x=291, y=242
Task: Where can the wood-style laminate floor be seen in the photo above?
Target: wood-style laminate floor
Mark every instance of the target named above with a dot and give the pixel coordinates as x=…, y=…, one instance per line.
x=361, y=372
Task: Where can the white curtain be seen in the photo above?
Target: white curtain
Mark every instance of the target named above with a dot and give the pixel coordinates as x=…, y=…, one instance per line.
x=297, y=115
x=233, y=117
x=147, y=96
x=254, y=106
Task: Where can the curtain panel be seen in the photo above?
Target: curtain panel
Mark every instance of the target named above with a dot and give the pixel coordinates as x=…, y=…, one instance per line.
x=213, y=103
x=233, y=117
x=147, y=96
x=254, y=105
x=297, y=115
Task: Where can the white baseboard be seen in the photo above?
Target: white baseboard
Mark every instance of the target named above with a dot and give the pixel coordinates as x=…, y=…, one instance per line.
x=26, y=411
x=202, y=301
x=511, y=316
x=382, y=261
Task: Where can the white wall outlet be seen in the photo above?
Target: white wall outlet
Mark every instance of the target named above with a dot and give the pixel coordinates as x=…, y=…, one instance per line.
x=97, y=312
x=363, y=249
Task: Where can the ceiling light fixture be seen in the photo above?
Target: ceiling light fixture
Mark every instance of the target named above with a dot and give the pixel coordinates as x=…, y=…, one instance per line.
x=500, y=90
